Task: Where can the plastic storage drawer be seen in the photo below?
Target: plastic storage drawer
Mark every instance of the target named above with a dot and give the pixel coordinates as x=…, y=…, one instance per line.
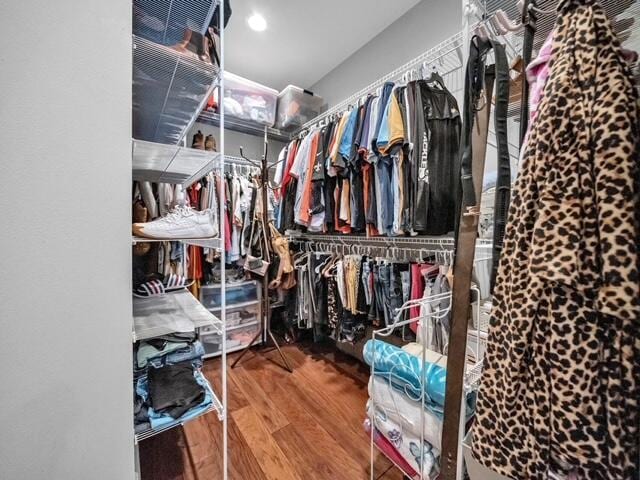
x=242, y=315
x=244, y=292
x=296, y=107
x=237, y=338
x=249, y=100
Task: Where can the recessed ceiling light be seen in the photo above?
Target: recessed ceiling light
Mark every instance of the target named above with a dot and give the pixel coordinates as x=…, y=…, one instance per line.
x=257, y=22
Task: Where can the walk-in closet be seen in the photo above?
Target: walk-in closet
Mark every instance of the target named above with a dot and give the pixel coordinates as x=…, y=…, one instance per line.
x=369, y=240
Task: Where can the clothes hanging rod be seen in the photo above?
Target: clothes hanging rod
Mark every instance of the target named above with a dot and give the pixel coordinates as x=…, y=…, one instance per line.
x=434, y=54
x=416, y=241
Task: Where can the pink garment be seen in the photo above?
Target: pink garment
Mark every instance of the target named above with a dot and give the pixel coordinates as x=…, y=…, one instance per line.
x=417, y=289
x=537, y=73
x=390, y=451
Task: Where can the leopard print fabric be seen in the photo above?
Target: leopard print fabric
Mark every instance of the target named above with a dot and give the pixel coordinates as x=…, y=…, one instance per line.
x=560, y=390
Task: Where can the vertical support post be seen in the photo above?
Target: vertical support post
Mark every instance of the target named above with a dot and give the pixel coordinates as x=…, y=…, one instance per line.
x=223, y=294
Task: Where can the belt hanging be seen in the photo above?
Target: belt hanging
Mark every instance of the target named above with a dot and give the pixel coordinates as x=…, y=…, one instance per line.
x=503, y=180
x=461, y=291
x=529, y=20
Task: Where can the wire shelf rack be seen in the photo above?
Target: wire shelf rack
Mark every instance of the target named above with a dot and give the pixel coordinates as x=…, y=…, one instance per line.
x=169, y=91
x=417, y=241
x=162, y=163
x=165, y=21
x=197, y=242
x=623, y=13
x=243, y=126
x=170, y=313
x=439, y=56
x=216, y=405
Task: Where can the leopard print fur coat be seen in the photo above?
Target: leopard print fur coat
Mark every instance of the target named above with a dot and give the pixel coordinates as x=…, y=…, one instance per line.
x=560, y=390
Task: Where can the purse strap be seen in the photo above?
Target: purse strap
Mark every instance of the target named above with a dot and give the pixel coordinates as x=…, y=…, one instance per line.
x=461, y=290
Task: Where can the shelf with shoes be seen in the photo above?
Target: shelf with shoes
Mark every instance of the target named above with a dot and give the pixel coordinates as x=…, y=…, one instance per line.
x=183, y=224
x=170, y=87
x=162, y=163
x=210, y=117
x=166, y=21
x=198, y=242
x=175, y=312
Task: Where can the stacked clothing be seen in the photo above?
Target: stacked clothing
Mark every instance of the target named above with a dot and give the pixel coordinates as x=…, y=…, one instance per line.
x=389, y=166
x=168, y=383
x=406, y=404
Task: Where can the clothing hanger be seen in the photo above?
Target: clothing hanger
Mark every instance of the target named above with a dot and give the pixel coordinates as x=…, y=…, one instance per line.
x=533, y=8
x=436, y=78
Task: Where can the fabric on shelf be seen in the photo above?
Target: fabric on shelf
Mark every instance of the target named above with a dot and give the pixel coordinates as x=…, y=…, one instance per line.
x=173, y=389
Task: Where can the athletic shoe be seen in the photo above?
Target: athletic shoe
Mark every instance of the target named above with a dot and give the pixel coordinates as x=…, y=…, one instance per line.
x=182, y=222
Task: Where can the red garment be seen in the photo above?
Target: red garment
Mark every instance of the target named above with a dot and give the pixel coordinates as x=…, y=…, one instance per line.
x=389, y=451
x=293, y=149
x=417, y=290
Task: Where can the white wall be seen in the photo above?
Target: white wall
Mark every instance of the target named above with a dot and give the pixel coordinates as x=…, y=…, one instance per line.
x=425, y=25
x=65, y=308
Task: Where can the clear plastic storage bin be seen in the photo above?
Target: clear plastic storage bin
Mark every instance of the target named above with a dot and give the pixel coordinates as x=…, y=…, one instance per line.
x=249, y=100
x=239, y=293
x=238, y=337
x=296, y=107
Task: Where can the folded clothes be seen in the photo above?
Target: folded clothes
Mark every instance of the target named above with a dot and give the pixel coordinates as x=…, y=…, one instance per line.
x=406, y=374
x=173, y=389
x=158, y=419
x=171, y=353
x=425, y=460
x=405, y=412
x=389, y=450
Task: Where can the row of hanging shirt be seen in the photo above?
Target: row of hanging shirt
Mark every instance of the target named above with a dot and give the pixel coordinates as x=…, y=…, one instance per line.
x=388, y=166
x=339, y=296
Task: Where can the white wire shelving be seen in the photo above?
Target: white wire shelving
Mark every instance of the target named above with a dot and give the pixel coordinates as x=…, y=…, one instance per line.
x=162, y=163
x=242, y=126
x=438, y=56
x=169, y=90
x=216, y=405
x=165, y=21
x=170, y=313
x=198, y=242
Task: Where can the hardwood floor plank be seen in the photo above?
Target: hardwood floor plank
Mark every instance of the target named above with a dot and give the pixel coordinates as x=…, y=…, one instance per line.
x=393, y=473
x=271, y=459
x=206, y=461
x=259, y=400
x=280, y=386
x=235, y=396
x=162, y=456
x=242, y=463
x=305, y=457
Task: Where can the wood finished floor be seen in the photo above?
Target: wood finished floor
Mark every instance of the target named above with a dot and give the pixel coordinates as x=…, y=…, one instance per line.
x=305, y=425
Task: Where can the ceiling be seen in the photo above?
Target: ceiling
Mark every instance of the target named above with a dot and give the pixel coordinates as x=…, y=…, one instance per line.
x=304, y=39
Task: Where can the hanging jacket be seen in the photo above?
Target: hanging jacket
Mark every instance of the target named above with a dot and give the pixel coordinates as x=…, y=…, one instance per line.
x=560, y=389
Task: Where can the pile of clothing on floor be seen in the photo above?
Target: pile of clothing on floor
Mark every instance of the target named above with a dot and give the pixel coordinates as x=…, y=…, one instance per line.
x=406, y=405
x=169, y=385
x=388, y=166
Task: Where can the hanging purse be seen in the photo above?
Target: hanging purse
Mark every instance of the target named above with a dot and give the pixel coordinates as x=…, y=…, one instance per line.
x=258, y=265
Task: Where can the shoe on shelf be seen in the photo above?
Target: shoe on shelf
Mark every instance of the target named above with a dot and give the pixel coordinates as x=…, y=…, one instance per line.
x=198, y=141
x=210, y=144
x=182, y=222
x=159, y=286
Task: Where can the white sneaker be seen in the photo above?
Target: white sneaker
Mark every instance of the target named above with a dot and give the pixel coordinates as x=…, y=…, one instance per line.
x=182, y=222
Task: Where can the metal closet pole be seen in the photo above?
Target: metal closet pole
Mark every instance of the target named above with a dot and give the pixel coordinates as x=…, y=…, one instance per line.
x=223, y=233
x=266, y=324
